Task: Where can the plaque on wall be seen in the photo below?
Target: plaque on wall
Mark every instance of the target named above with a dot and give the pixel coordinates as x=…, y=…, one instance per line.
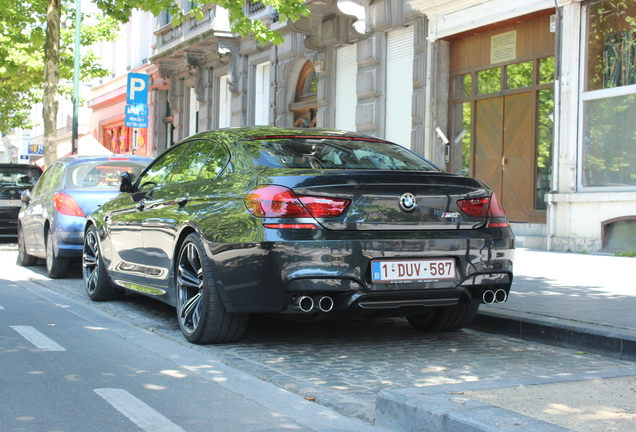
x=503, y=47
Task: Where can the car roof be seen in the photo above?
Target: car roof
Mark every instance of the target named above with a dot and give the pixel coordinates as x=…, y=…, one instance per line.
x=23, y=166
x=253, y=132
x=75, y=159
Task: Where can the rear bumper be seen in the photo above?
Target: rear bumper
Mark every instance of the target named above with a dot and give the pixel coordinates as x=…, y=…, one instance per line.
x=271, y=276
x=9, y=221
x=69, y=236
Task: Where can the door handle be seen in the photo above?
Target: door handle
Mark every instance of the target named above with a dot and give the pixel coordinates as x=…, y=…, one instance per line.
x=182, y=200
x=140, y=205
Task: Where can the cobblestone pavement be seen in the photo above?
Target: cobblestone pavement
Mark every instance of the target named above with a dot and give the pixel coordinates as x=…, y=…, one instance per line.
x=345, y=364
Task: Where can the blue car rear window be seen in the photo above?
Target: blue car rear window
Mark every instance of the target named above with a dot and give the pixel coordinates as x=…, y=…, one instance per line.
x=100, y=174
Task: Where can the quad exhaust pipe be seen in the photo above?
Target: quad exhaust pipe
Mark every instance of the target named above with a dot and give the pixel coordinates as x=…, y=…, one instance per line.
x=490, y=296
x=306, y=304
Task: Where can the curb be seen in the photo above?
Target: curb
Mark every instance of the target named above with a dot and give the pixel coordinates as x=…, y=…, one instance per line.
x=604, y=340
x=443, y=408
x=400, y=410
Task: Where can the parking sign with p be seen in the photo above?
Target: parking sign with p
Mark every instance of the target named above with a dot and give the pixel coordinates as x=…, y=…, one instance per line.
x=137, y=93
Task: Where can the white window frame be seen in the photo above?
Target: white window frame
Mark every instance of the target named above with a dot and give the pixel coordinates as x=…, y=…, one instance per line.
x=586, y=96
x=261, y=94
x=193, y=124
x=225, y=102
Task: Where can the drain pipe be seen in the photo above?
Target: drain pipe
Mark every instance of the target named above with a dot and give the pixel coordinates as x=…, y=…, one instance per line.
x=557, y=128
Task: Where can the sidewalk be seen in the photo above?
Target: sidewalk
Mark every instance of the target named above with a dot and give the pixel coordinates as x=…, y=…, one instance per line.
x=581, y=301
x=584, y=302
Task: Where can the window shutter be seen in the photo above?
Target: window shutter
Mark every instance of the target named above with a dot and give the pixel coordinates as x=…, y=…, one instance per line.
x=346, y=95
x=399, y=86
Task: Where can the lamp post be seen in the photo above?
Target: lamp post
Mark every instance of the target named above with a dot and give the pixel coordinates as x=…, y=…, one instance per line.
x=76, y=77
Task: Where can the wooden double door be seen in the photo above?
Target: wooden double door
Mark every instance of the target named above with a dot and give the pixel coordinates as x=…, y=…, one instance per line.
x=502, y=109
x=504, y=155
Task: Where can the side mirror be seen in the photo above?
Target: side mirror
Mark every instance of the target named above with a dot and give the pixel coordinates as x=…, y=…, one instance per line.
x=124, y=183
x=26, y=197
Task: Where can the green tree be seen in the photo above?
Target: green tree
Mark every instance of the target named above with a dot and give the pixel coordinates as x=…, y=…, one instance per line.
x=36, y=48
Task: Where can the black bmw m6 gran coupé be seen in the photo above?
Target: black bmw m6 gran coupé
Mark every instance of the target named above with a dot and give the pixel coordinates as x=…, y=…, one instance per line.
x=309, y=223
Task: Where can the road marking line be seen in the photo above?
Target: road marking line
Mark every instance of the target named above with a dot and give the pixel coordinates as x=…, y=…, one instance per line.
x=138, y=412
x=38, y=339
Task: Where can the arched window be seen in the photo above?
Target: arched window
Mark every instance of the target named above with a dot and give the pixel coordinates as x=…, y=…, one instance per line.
x=305, y=106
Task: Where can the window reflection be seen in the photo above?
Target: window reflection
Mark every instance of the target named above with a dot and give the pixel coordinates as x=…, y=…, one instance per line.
x=519, y=75
x=489, y=81
x=609, y=142
x=545, y=137
x=546, y=70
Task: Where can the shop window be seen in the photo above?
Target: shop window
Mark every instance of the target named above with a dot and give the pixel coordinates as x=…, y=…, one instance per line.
x=611, y=44
x=609, y=102
x=609, y=141
x=120, y=139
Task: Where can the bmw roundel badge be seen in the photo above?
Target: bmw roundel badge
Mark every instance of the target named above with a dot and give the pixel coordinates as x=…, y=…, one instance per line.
x=407, y=202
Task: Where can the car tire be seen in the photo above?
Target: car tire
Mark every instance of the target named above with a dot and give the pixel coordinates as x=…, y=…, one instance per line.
x=200, y=310
x=24, y=259
x=96, y=281
x=56, y=267
x=444, y=318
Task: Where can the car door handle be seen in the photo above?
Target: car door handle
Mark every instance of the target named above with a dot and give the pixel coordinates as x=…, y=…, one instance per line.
x=182, y=200
x=140, y=205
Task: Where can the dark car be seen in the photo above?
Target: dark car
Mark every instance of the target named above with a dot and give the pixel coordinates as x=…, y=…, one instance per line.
x=51, y=222
x=14, y=180
x=300, y=222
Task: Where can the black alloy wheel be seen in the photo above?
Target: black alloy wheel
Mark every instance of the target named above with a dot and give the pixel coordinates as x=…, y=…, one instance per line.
x=24, y=259
x=56, y=267
x=444, y=318
x=202, y=315
x=96, y=281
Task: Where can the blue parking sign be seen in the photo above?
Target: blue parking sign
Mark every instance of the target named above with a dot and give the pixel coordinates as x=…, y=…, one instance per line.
x=137, y=90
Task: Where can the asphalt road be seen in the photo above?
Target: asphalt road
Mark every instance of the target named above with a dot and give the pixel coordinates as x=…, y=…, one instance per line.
x=340, y=365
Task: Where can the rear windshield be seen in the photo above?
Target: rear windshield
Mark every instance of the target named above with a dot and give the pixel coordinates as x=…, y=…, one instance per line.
x=18, y=176
x=100, y=174
x=330, y=153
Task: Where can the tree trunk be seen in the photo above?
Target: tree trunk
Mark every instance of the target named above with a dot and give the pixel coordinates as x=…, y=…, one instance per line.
x=51, y=79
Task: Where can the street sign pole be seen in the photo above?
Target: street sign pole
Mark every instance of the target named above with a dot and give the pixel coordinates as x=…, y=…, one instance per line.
x=135, y=145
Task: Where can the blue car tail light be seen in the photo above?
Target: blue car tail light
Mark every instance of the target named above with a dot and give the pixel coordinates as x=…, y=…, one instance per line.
x=66, y=205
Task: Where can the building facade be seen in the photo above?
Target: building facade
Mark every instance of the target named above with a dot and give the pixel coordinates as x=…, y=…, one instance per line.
x=535, y=97
x=542, y=94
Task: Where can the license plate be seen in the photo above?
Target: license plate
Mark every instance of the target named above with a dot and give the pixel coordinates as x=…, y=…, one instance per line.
x=10, y=203
x=407, y=271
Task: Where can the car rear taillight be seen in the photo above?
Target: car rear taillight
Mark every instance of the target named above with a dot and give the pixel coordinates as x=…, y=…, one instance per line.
x=484, y=207
x=324, y=207
x=272, y=201
x=66, y=205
